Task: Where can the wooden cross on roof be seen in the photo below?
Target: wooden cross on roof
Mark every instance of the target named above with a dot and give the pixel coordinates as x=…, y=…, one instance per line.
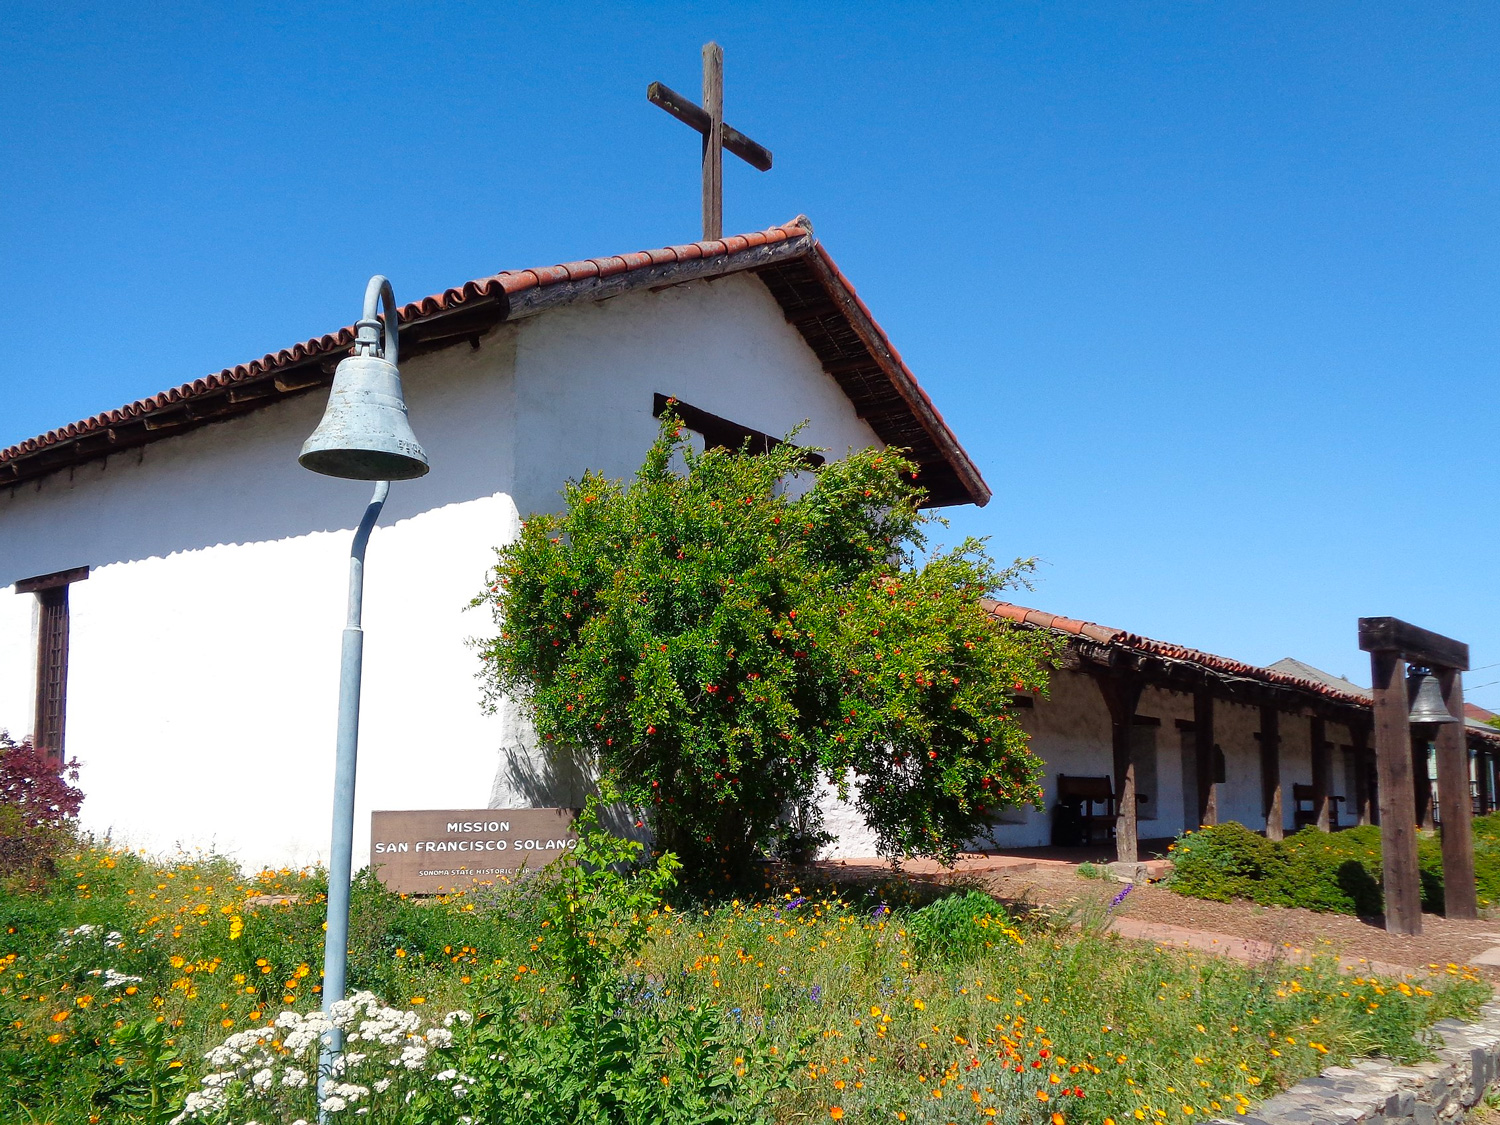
x=708, y=119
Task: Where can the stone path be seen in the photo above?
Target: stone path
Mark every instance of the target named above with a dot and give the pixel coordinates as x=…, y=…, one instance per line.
x=1490, y=956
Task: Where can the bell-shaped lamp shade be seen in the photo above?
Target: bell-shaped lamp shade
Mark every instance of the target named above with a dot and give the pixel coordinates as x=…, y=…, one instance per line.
x=364, y=434
x=1427, y=704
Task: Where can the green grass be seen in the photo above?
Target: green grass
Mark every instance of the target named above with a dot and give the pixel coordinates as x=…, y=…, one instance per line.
x=941, y=1013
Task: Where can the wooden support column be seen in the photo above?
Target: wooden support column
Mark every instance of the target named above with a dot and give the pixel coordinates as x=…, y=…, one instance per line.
x=53, y=628
x=1203, y=753
x=1122, y=692
x=1459, y=899
x=1322, y=774
x=1393, y=763
x=1270, y=771
x=1364, y=781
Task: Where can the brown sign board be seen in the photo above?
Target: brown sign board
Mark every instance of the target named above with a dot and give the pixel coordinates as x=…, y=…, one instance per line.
x=438, y=851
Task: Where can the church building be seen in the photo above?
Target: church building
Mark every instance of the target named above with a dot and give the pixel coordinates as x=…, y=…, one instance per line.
x=176, y=581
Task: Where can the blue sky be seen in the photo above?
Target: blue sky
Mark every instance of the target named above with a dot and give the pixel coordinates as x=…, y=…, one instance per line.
x=1209, y=291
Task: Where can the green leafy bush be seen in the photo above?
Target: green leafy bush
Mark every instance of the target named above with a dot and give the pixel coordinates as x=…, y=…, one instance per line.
x=1487, y=858
x=1226, y=861
x=1337, y=872
x=718, y=646
x=955, y=928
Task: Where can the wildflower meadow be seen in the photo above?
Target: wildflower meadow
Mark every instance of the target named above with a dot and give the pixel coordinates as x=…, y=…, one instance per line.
x=139, y=990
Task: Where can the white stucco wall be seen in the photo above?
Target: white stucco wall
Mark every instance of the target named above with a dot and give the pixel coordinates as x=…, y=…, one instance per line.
x=204, y=648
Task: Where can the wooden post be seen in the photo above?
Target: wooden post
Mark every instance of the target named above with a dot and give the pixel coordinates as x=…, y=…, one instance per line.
x=1121, y=694
x=1203, y=753
x=708, y=120
x=1393, y=763
x=1322, y=770
x=1270, y=771
x=713, y=141
x=1359, y=738
x=1459, y=899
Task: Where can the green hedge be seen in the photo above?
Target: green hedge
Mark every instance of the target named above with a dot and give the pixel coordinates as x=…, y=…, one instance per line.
x=1337, y=872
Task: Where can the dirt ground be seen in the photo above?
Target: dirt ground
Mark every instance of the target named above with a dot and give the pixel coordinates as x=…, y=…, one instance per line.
x=1059, y=887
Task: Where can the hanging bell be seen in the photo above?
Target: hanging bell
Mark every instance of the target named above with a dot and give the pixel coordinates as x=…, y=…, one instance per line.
x=1427, y=704
x=365, y=434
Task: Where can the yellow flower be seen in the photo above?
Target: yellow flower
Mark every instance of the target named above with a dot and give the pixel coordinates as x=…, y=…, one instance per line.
x=837, y=1113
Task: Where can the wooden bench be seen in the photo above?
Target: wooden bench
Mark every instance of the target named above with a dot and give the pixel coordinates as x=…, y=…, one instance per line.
x=1301, y=817
x=1085, y=793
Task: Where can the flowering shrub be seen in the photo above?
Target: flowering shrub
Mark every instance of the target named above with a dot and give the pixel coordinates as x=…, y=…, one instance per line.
x=36, y=804
x=720, y=645
x=391, y=1057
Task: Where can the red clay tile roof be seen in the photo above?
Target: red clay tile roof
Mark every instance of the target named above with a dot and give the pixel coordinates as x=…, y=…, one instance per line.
x=1104, y=634
x=816, y=298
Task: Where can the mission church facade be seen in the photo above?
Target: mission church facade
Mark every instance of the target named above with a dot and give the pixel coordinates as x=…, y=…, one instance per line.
x=176, y=580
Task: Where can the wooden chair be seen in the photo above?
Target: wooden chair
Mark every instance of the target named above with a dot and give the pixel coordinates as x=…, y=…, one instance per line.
x=1301, y=817
x=1085, y=793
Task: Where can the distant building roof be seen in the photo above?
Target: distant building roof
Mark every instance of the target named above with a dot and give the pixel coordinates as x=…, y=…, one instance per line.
x=1287, y=673
x=1302, y=670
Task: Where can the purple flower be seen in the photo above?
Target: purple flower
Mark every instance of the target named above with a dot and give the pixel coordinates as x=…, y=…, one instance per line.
x=815, y=993
x=880, y=912
x=1119, y=898
x=796, y=902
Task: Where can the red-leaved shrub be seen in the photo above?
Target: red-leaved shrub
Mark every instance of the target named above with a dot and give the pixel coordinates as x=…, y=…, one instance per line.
x=36, y=803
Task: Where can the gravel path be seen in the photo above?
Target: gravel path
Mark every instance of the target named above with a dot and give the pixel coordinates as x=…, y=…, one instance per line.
x=1442, y=941
x=1059, y=887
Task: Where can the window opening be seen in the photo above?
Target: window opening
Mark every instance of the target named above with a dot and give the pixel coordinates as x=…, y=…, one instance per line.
x=721, y=433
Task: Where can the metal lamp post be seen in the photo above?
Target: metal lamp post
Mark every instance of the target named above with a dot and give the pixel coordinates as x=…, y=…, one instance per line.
x=364, y=435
